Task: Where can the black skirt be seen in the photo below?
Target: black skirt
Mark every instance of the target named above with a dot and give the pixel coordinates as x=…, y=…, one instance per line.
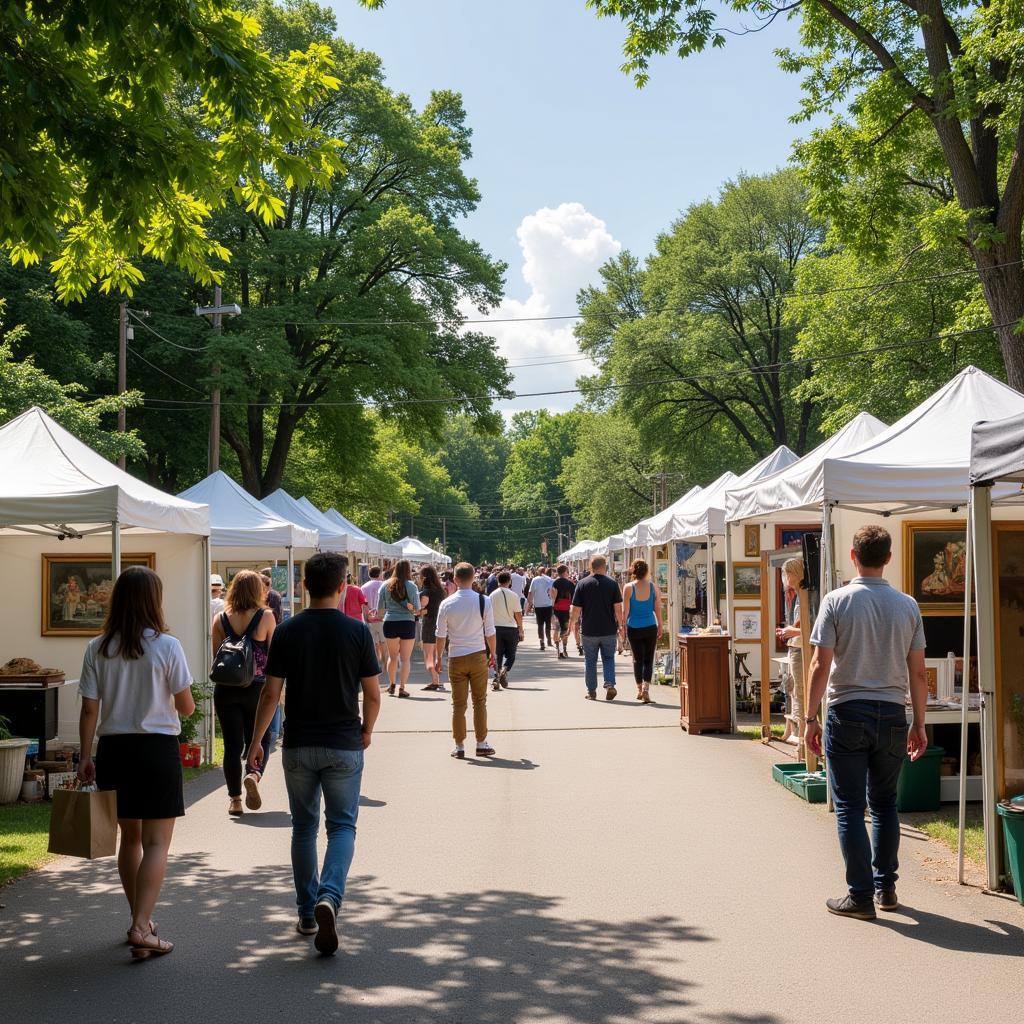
x=144, y=769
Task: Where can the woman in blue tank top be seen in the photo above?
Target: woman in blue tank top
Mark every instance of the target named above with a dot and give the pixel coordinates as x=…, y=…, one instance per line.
x=642, y=610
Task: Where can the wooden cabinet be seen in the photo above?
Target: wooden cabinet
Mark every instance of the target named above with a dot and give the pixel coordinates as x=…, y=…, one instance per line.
x=704, y=704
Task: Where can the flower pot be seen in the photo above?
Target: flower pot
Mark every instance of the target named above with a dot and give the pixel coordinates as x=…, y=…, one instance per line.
x=196, y=753
x=186, y=756
x=12, y=768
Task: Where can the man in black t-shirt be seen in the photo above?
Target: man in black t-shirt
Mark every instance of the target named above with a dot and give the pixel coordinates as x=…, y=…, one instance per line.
x=561, y=602
x=326, y=658
x=597, y=605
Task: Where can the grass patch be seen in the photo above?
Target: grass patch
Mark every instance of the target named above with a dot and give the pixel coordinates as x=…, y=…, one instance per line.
x=753, y=732
x=24, y=836
x=943, y=825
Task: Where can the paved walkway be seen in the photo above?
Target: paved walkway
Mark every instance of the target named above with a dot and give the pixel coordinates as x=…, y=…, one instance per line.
x=605, y=868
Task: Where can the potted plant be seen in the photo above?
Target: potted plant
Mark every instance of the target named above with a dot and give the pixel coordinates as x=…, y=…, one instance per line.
x=191, y=752
x=13, y=750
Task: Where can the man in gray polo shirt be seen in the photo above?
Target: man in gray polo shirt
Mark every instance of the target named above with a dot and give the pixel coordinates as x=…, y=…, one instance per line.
x=868, y=646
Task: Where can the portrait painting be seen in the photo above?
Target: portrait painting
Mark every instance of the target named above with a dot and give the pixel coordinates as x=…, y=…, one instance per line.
x=76, y=591
x=934, y=561
x=751, y=541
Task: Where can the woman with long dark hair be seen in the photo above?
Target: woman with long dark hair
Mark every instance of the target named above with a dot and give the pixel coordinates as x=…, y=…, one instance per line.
x=245, y=611
x=399, y=602
x=432, y=593
x=135, y=683
x=641, y=609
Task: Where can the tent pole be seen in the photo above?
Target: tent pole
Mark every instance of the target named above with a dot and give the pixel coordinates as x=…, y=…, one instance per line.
x=291, y=582
x=984, y=597
x=115, y=551
x=728, y=624
x=968, y=555
x=827, y=576
x=208, y=712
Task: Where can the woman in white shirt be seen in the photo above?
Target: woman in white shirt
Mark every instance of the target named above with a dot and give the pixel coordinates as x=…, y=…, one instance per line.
x=135, y=683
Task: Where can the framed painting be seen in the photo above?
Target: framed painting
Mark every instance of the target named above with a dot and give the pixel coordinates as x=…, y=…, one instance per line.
x=787, y=537
x=748, y=625
x=934, y=555
x=751, y=541
x=746, y=579
x=76, y=591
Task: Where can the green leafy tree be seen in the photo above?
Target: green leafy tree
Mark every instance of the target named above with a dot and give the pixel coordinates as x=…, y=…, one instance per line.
x=888, y=75
x=702, y=363
x=607, y=479
x=98, y=163
x=353, y=293
x=23, y=384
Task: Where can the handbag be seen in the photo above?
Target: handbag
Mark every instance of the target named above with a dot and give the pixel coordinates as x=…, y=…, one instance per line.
x=235, y=661
x=83, y=822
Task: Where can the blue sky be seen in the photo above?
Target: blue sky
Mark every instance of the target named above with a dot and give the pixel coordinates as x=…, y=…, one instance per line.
x=573, y=161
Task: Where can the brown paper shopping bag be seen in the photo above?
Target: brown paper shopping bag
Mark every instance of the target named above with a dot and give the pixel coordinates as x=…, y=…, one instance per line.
x=83, y=823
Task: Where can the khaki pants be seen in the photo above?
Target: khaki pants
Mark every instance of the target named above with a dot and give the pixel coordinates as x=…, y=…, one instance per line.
x=468, y=674
x=795, y=687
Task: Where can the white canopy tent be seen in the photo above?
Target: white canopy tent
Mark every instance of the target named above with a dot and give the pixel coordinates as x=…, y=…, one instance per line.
x=332, y=537
x=617, y=542
x=580, y=551
x=373, y=545
x=416, y=551
x=239, y=520
x=58, y=495
x=638, y=535
x=997, y=460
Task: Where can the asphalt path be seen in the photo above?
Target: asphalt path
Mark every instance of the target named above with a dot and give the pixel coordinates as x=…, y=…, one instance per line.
x=604, y=868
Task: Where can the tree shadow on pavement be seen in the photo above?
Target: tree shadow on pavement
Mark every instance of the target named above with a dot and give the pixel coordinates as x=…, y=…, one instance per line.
x=490, y=957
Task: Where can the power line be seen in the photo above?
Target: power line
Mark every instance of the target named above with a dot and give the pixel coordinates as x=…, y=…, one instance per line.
x=169, y=376
x=142, y=323
x=429, y=322
x=767, y=370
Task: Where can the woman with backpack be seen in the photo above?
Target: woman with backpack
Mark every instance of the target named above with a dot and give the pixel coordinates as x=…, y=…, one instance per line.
x=246, y=622
x=399, y=603
x=135, y=686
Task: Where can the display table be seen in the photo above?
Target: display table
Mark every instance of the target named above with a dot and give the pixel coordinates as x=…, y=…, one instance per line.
x=31, y=708
x=704, y=704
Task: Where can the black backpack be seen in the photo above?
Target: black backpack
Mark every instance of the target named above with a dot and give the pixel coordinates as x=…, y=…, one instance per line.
x=234, y=663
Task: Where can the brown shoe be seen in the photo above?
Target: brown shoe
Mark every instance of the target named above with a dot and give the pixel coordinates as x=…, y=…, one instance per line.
x=253, y=800
x=610, y=692
x=235, y=807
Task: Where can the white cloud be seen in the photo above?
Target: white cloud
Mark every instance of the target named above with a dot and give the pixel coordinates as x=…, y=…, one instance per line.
x=562, y=250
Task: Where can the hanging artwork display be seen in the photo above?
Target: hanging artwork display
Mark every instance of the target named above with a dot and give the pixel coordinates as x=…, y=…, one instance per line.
x=934, y=560
x=76, y=591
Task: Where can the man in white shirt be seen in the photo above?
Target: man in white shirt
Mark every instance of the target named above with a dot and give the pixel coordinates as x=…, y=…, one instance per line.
x=216, y=595
x=371, y=591
x=541, y=603
x=518, y=585
x=508, y=629
x=467, y=620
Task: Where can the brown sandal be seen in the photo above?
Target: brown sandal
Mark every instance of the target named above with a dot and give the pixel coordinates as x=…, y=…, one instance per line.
x=404, y=693
x=128, y=934
x=391, y=690
x=144, y=949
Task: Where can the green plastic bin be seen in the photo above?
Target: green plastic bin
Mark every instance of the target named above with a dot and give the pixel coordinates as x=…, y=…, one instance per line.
x=919, y=786
x=1013, y=837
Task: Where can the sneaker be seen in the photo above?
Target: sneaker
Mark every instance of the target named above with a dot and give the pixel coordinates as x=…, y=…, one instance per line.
x=503, y=678
x=496, y=685
x=591, y=696
x=542, y=645
x=326, y=916
x=253, y=800
x=459, y=752
x=847, y=906
x=885, y=899
x=485, y=750
x=610, y=692
x=306, y=926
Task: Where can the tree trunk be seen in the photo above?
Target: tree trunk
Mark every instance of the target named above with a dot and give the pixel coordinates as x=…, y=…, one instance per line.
x=274, y=473
x=1002, y=279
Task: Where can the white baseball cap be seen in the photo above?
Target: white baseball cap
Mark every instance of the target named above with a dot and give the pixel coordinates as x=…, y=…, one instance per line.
x=216, y=580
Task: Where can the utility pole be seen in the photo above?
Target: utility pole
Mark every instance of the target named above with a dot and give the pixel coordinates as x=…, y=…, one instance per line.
x=444, y=536
x=122, y=369
x=216, y=313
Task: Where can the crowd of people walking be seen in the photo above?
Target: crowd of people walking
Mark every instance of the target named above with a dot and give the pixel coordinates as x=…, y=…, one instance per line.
x=135, y=683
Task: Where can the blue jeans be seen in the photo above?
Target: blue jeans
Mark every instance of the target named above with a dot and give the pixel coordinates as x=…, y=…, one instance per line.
x=865, y=744
x=338, y=773
x=606, y=646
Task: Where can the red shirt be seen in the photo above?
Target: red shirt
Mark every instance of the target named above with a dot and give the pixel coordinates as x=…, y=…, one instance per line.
x=352, y=602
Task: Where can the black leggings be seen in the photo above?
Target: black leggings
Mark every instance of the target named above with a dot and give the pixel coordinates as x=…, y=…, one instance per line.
x=506, y=640
x=543, y=623
x=236, y=712
x=642, y=643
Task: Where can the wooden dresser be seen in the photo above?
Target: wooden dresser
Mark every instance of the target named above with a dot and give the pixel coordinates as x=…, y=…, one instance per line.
x=704, y=704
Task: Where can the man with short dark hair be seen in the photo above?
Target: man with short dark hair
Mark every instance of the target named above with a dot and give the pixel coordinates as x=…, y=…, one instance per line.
x=868, y=644
x=326, y=658
x=374, y=619
x=508, y=628
x=467, y=620
x=597, y=607
x=562, y=590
